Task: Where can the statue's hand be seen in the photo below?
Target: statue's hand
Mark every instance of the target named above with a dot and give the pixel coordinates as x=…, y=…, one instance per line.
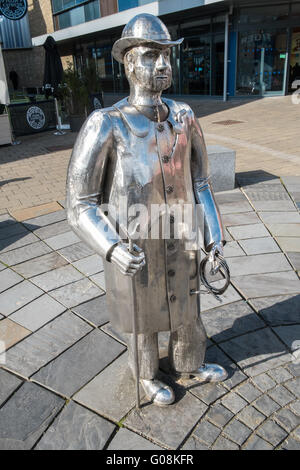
x=128, y=263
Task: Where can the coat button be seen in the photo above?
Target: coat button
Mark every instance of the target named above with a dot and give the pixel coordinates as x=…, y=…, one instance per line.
x=165, y=159
x=173, y=298
x=171, y=273
x=169, y=189
x=160, y=127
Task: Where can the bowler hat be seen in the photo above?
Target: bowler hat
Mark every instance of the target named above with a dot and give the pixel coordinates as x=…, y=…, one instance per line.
x=142, y=29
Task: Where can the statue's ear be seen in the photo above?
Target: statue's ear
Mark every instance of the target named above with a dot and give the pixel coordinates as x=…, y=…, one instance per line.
x=128, y=60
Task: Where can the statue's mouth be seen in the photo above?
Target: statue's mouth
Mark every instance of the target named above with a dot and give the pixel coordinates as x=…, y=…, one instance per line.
x=162, y=77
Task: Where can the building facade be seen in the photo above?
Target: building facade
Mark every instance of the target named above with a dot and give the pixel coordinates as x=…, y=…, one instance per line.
x=231, y=47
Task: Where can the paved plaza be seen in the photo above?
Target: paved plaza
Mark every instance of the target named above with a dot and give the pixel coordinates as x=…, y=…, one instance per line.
x=64, y=378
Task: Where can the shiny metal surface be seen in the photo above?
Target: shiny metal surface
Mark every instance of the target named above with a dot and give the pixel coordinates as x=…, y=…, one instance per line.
x=142, y=153
x=158, y=392
x=210, y=373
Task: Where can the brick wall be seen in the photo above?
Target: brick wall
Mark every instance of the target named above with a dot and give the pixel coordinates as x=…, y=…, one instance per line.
x=40, y=17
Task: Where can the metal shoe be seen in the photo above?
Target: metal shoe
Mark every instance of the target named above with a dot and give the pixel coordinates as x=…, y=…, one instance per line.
x=210, y=373
x=158, y=392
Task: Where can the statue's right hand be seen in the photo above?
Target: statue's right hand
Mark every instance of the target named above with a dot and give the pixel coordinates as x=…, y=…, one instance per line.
x=127, y=262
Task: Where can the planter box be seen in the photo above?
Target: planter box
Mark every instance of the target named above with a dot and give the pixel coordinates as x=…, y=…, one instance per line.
x=5, y=135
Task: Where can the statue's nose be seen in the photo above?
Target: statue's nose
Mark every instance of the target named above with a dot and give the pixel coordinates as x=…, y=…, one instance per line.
x=162, y=63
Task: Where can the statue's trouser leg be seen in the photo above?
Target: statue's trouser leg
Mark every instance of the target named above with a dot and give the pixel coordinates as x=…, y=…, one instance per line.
x=187, y=347
x=147, y=353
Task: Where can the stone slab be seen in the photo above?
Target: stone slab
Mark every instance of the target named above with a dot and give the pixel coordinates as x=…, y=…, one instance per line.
x=215, y=355
x=233, y=402
x=7, y=219
x=279, y=310
x=51, y=230
x=248, y=392
x=231, y=320
x=281, y=395
x=40, y=265
x=284, y=230
x=208, y=301
x=243, y=218
x=258, y=264
x=76, y=252
x=18, y=296
x=257, y=351
x=60, y=241
x=95, y=310
x=264, y=382
x=271, y=432
x=24, y=253
x=38, y=312
x=206, y=432
x=280, y=374
x=262, y=285
x=274, y=206
x=16, y=241
x=235, y=207
x=219, y=415
x=290, y=335
x=193, y=443
x=50, y=341
x=266, y=405
x=257, y=443
x=99, y=279
x=279, y=218
x=127, y=440
x=294, y=386
x=76, y=293
x=294, y=259
x=251, y=417
x=291, y=244
x=36, y=211
x=79, y=364
x=287, y=419
x=11, y=230
x=112, y=392
x=9, y=383
x=46, y=219
x=257, y=246
x=25, y=417
x=222, y=164
x=90, y=265
x=242, y=232
x=237, y=431
x=224, y=444
x=57, y=278
x=233, y=249
x=76, y=429
x=11, y=333
x=8, y=278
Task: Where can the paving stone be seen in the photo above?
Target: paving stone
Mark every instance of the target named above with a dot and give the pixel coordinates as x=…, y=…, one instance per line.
x=262, y=285
x=16, y=242
x=233, y=402
x=290, y=444
x=57, y=278
x=235, y=207
x=40, y=265
x=10, y=230
x=90, y=265
x=36, y=211
x=249, y=392
x=237, y=431
x=289, y=334
x=295, y=407
x=52, y=230
x=224, y=444
x=95, y=311
x=49, y=341
x=294, y=386
x=294, y=259
x=266, y=405
x=18, y=296
x=291, y=244
x=2, y=266
x=231, y=320
x=264, y=382
x=76, y=429
x=257, y=443
x=279, y=218
x=109, y=330
x=161, y=424
x=7, y=219
x=257, y=246
x=25, y=253
x=79, y=364
x=294, y=369
x=280, y=374
x=231, y=196
x=112, y=392
x=76, y=252
x=278, y=310
x=25, y=417
x=194, y=444
x=287, y=419
x=9, y=383
x=235, y=376
x=8, y=278
x=208, y=392
x=219, y=415
x=62, y=240
x=246, y=218
x=47, y=219
x=242, y=232
x=296, y=432
x=258, y=264
x=274, y=206
x=99, y=279
x=271, y=432
x=38, y=312
x=285, y=230
x=208, y=301
x=76, y=293
x=232, y=249
x=127, y=440
x=11, y=333
x=251, y=417
x=207, y=432
x=281, y=395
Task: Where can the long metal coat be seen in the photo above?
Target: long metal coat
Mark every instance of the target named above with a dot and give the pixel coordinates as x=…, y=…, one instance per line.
x=120, y=153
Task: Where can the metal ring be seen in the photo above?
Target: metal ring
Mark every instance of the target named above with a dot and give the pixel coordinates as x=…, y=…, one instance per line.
x=225, y=271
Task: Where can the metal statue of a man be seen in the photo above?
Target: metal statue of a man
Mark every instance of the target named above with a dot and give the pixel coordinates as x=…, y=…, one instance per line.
x=150, y=152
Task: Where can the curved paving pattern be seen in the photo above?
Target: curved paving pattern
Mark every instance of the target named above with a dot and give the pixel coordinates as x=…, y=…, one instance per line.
x=64, y=377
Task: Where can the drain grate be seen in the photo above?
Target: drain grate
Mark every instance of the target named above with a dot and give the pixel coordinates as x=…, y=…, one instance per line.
x=229, y=122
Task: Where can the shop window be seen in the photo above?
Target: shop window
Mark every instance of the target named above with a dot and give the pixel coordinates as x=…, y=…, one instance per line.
x=89, y=11
x=127, y=4
x=266, y=14
x=60, y=5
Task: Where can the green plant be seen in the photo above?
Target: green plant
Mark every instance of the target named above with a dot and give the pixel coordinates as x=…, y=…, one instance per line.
x=73, y=92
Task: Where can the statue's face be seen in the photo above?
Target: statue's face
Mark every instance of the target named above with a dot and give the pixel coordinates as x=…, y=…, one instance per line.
x=150, y=68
